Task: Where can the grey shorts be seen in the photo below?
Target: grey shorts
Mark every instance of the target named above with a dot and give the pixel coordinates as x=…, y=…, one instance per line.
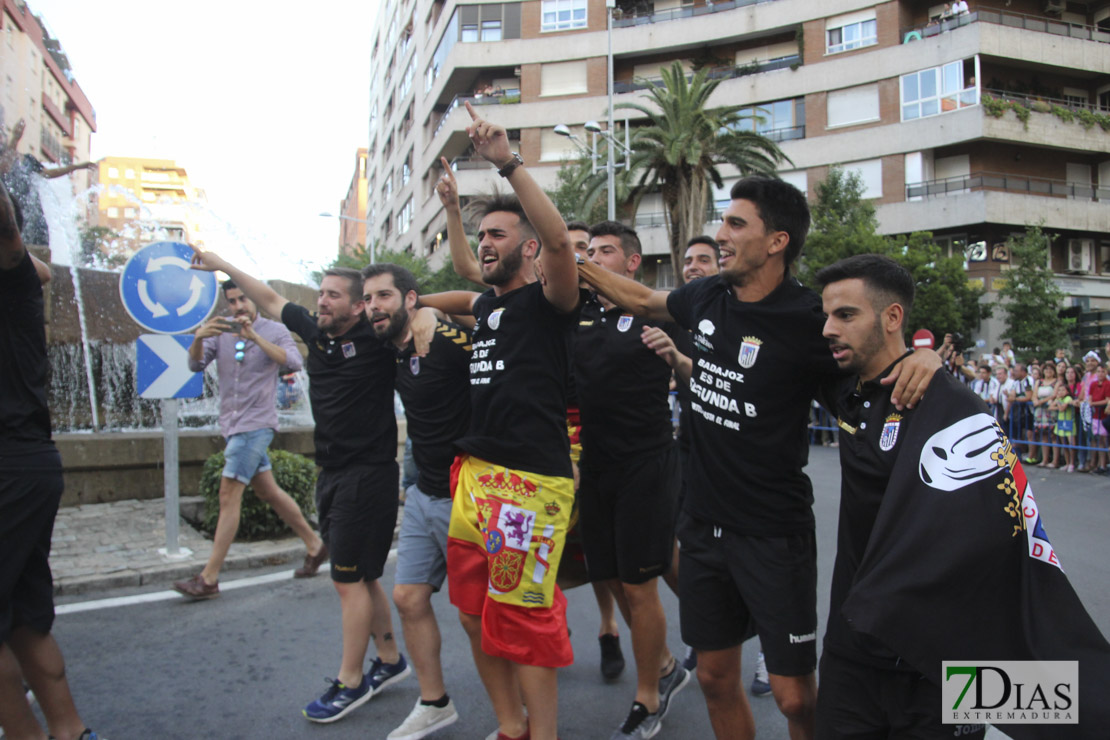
x=422, y=545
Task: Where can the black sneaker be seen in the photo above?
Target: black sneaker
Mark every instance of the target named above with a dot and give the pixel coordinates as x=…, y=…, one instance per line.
x=669, y=685
x=612, y=659
x=639, y=724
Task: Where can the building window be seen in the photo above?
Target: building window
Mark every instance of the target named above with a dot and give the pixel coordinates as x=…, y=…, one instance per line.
x=491, y=30
x=129, y=213
x=113, y=172
x=870, y=174
x=406, y=170
x=404, y=217
x=560, y=15
x=129, y=174
x=780, y=120
x=563, y=78
x=852, y=31
x=852, y=106
x=113, y=213
x=939, y=90
x=469, y=33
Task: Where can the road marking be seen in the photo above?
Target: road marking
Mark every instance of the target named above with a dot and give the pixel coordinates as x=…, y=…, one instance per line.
x=118, y=601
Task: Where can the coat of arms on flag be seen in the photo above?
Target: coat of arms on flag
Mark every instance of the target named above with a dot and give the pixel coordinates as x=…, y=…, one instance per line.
x=624, y=323
x=749, y=350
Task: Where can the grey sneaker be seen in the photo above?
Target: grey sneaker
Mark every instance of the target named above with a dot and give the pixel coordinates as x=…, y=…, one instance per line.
x=639, y=724
x=669, y=685
x=761, y=684
x=423, y=720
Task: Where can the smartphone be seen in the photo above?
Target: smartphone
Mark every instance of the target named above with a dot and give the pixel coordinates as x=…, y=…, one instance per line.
x=228, y=325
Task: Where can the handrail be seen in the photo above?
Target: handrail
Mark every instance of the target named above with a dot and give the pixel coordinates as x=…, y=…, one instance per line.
x=1008, y=183
x=687, y=11
x=1028, y=100
x=716, y=73
x=1002, y=17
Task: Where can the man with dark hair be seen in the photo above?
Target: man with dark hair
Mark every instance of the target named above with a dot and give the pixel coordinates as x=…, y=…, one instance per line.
x=748, y=557
x=435, y=391
x=250, y=352
x=514, y=489
x=30, y=490
x=701, y=258
x=351, y=390
x=628, y=473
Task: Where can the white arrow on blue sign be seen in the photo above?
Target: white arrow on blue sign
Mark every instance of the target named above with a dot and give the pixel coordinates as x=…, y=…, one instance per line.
x=162, y=294
x=162, y=367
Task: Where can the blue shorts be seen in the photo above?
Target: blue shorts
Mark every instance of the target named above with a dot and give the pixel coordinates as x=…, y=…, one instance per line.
x=245, y=455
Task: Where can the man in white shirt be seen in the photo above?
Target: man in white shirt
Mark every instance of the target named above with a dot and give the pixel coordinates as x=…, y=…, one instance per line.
x=986, y=387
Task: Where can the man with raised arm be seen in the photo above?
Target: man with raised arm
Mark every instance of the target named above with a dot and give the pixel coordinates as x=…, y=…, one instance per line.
x=30, y=490
x=351, y=389
x=513, y=482
x=249, y=351
x=748, y=555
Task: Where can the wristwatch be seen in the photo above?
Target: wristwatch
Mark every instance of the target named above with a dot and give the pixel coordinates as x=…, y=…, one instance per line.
x=515, y=162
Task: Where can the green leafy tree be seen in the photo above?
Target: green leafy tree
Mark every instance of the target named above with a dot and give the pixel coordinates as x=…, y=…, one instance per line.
x=429, y=280
x=568, y=195
x=844, y=224
x=100, y=246
x=678, y=152
x=1030, y=297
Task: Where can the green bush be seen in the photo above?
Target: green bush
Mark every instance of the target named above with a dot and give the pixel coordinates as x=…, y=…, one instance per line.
x=295, y=474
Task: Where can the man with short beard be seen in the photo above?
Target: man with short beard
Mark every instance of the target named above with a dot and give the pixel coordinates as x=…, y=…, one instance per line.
x=351, y=389
x=866, y=690
x=249, y=351
x=435, y=391
x=514, y=491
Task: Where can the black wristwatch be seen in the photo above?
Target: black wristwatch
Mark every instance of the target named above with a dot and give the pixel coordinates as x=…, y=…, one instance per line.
x=515, y=162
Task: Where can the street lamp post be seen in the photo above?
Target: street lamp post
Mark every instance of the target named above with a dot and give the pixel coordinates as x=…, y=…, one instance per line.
x=614, y=146
x=610, y=176
x=369, y=222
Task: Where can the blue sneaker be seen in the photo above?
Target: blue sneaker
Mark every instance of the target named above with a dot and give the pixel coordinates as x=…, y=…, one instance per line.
x=382, y=674
x=338, y=701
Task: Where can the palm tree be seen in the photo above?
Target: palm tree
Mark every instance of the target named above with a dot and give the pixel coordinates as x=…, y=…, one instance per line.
x=679, y=151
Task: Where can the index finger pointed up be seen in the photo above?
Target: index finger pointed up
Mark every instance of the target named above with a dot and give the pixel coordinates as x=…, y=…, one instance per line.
x=470, y=109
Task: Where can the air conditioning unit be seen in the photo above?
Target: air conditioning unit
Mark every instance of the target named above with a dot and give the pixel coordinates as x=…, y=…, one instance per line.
x=1055, y=7
x=1079, y=255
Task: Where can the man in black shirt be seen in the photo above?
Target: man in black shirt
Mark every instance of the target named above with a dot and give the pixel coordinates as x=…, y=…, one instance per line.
x=351, y=390
x=435, y=390
x=866, y=690
x=515, y=491
x=748, y=557
x=30, y=491
x=628, y=472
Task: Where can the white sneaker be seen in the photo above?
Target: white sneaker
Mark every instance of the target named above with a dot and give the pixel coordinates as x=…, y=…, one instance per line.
x=423, y=720
x=761, y=684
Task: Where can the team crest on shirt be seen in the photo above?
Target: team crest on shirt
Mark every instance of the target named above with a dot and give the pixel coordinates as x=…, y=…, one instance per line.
x=348, y=349
x=414, y=365
x=624, y=323
x=749, y=351
x=494, y=320
x=889, y=436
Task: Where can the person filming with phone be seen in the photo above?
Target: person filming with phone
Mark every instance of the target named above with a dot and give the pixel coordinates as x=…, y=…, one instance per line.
x=249, y=351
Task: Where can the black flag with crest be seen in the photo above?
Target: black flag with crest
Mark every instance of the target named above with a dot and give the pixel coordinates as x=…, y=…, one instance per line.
x=959, y=566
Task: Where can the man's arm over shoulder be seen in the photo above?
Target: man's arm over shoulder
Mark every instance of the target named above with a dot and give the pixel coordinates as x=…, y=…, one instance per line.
x=630, y=295
x=455, y=302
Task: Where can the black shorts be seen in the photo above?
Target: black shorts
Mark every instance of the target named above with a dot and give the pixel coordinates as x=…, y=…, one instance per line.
x=626, y=514
x=862, y=702
x=733, y=587
x=357, y=506
x=30, y=492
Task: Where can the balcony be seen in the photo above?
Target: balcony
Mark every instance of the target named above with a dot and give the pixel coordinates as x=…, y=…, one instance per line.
x=716, y=73
x=510, y=97
x=1039, y=23
x=998, y=182
x=688, y=11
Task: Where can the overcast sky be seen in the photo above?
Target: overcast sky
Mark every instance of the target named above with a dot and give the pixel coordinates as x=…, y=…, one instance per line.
x=263, y=103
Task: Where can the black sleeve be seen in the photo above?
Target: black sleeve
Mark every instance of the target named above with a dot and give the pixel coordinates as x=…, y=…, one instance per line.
x=680, y=303
x=297, y=319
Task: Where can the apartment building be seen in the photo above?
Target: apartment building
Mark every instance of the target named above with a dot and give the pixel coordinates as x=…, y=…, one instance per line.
x=148, y=199
x=39, y=87
x=968, y=125
x=352, y=209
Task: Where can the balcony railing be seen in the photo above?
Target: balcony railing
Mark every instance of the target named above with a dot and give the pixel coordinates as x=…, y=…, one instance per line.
x=716, y=73
x=688, y=11
x=994, y=181
x=1033, y=102
x=469, y=163
x=1040, y=23
x=509, y=98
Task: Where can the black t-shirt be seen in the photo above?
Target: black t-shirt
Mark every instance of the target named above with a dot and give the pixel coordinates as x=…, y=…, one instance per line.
x=436, y=392
x=518, y=382
x=872, y=429
x=756, y=366
x=351, y=390
x=623, y=386
x=684, y=343
x=24, y=415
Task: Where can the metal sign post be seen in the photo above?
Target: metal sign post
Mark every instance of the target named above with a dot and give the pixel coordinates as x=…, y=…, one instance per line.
x=163, y=295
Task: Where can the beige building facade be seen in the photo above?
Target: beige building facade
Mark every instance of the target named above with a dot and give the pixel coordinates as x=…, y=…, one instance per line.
x=38, y=86
x=920, y=104
x=352, y=209
x=143, y=200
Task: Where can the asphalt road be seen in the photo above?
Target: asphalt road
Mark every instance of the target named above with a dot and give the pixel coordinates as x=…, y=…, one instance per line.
x=243, y=665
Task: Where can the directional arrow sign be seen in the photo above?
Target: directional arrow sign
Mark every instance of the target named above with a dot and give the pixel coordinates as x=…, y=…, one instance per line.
x=162, y=367
x=162, y=294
